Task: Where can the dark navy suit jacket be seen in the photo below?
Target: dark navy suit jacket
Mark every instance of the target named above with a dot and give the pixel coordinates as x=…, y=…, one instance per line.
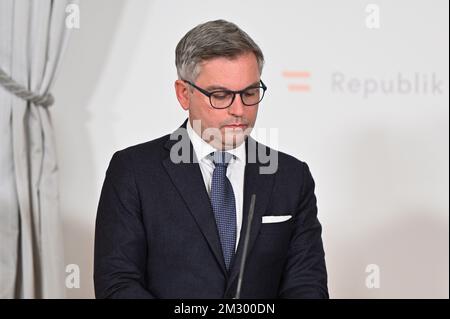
x=156, y=235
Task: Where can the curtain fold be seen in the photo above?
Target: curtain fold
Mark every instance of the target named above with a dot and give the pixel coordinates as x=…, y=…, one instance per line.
x=33, y=36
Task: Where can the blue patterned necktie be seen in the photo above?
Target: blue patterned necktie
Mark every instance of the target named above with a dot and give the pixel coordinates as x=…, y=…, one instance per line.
x=224, y=205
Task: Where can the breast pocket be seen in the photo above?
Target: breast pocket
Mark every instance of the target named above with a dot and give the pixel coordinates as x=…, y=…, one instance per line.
x=273, y=224
x=273, y=240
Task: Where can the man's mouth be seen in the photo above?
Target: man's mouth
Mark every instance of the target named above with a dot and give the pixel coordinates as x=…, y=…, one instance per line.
x=236, y=126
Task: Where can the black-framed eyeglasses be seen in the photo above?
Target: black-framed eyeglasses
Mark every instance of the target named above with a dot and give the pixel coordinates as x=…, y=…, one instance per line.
x=222, y=99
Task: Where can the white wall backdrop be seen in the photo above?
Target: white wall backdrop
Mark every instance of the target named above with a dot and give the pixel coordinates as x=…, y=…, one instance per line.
x=368, y=113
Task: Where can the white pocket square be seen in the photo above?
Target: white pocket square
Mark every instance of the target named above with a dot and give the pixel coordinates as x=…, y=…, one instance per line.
x=275, y=219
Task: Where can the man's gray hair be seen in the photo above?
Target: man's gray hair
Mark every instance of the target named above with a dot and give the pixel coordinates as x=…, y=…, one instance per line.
x=210, y=40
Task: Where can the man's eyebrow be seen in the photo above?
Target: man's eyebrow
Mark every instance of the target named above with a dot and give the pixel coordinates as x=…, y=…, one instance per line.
x=219, y=87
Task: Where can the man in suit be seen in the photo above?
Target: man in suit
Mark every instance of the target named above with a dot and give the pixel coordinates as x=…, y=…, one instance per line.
x=173, y=212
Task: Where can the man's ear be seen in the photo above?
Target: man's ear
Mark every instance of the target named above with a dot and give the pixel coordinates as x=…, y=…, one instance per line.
x=182, y=91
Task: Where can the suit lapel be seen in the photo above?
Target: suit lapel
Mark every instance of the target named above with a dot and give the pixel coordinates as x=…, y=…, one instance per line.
x=188, y=180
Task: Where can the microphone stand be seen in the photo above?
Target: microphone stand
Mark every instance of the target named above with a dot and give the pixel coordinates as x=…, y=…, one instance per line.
x=245, y=251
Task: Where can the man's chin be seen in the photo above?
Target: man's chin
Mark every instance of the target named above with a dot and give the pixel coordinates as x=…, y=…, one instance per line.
x=234, y=140
x=227, y=138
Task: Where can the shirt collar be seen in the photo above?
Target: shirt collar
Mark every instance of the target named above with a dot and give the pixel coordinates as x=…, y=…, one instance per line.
x=203, y=149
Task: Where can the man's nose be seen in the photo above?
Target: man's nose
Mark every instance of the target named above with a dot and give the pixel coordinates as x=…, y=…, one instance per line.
x=237, y=107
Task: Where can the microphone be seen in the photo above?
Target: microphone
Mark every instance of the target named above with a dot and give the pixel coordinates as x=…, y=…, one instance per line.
x=245, y=251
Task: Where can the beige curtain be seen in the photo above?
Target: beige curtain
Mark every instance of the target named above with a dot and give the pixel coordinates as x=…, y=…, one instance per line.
x=32, y=39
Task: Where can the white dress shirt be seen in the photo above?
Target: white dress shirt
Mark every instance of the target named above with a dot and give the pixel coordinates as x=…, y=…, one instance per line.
x=235, y=170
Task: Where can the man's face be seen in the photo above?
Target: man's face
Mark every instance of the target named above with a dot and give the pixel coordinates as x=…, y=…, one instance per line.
x=218, y=74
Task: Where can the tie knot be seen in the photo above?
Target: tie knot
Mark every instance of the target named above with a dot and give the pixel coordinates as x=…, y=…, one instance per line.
x=221, y=158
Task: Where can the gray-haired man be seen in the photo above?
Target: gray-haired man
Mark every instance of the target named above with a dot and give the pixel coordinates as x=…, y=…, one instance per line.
x=171, y=228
